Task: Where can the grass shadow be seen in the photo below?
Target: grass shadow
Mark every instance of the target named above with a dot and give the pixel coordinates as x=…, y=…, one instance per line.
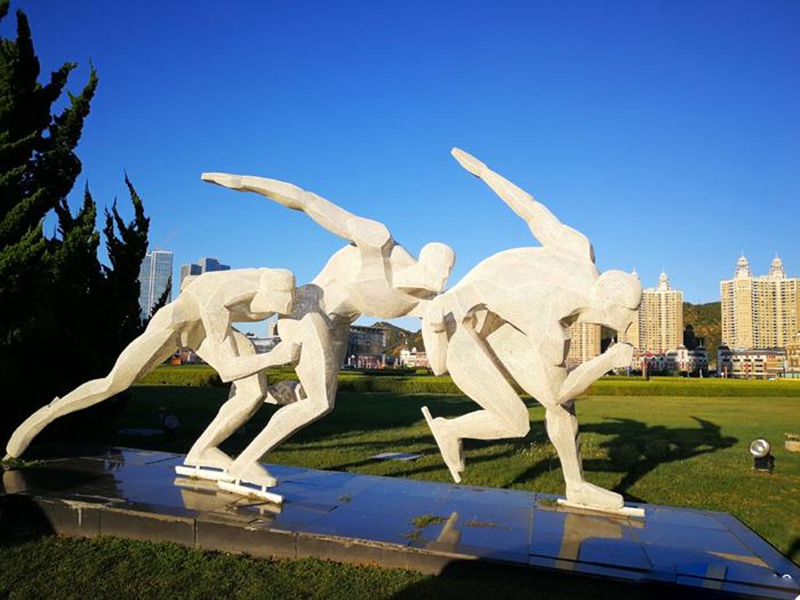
x=793, y=553
x=636, y=448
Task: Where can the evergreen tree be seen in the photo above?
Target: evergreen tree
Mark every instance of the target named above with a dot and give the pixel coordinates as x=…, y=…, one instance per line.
x=64, y=317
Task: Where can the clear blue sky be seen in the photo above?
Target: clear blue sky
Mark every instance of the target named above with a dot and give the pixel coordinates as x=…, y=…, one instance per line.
x=668, y=132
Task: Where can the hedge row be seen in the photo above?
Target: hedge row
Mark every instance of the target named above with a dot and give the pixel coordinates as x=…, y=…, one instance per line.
x=403, y=383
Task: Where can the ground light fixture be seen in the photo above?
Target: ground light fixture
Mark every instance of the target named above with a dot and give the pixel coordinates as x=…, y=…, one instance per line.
x=762, y=459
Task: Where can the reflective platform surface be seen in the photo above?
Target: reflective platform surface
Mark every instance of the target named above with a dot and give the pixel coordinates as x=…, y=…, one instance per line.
x=387, y=521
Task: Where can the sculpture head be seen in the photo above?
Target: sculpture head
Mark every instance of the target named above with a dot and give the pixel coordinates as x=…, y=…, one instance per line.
x=437, y=262
x=429, y=276
x=276, y=292
x=613, y=300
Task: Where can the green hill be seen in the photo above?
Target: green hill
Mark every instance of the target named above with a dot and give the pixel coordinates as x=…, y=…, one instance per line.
x=707, y=322
x=397, y=338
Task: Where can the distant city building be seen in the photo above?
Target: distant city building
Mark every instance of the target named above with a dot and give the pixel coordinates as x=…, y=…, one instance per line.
x=155, y=277
x=687, y=361
x=652, y=362
x=793, y=358
x=690, y=340
x=658, y=327
x=768, y=363
x=413, y=358
x=724, y=361
x=204, y=265
x=263, y=344
x=365, y=348
x=760, y=312
x=584, y=343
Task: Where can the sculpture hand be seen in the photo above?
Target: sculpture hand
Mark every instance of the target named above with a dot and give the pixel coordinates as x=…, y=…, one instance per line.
x=469, y=162
x=623, y=355
x=233, y=182
x=287, y=194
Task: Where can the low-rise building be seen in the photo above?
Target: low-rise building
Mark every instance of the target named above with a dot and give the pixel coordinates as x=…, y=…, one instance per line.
x=650, y=362
x=724, y=361
x=264, y=344
x=684, y=360
x=766, y=363
x=413, y=358
x=793, y=358
x=366, y=347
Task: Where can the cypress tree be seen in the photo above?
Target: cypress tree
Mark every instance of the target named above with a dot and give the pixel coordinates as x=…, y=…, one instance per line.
x=64, y=317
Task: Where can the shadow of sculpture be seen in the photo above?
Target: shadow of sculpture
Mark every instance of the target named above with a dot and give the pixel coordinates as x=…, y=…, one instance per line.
x=793, y=553
x=636, y=448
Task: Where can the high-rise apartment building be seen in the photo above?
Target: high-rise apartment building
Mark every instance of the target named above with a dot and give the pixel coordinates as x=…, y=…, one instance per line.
x=760, y=312
x=155, y=276
x=584, y=343
x=659, y=323
x=204, y=265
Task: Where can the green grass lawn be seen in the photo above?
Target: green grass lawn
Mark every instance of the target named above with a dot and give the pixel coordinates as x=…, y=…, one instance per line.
x=678, y=449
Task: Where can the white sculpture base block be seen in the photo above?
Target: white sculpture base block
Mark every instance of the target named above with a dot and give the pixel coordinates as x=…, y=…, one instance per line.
x=625, y=511
x=203, y=473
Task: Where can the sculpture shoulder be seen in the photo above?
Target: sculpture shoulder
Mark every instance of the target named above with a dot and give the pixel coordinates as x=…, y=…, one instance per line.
x=213, y=280
x=343, y=265
x=217, y=289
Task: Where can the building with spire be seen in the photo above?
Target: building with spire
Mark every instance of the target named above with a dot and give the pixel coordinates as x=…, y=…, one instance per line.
x=762, y=311
x=658, y=327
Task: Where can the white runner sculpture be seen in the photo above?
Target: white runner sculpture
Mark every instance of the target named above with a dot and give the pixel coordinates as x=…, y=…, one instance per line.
x=201, y=319
x=513, y=310
x=373, y=276
x=508, y=316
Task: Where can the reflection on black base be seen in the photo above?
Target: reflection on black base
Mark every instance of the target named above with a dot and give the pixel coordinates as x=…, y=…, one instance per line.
x=701, y=549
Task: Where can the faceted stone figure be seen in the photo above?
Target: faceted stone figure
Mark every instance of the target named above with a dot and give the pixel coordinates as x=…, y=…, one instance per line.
x=201, y=319
x=509, y=316
x=373, y=276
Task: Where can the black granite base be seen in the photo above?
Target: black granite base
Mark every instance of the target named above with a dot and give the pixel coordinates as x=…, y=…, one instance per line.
x=391, y=522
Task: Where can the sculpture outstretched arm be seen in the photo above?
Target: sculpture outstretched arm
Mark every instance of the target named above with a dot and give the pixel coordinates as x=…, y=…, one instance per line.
x=543, y=224
x=324, y=212
x=579, y=380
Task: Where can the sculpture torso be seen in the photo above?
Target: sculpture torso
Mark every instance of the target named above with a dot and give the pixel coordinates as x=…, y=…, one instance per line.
x=536, y=290
x=357, y=280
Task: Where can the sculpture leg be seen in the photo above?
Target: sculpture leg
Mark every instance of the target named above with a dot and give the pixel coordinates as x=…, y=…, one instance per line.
x=317, y=370
x=146, y=352
x=473, y=370
x=562, y=429
x=524, y=363
x=244, y=400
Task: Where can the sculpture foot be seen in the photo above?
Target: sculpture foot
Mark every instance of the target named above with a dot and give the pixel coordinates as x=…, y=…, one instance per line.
x=449, y=446
x=252, y=473
x=29, y=429
x=210, y=457
x=593, y=496
x=251, y=480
